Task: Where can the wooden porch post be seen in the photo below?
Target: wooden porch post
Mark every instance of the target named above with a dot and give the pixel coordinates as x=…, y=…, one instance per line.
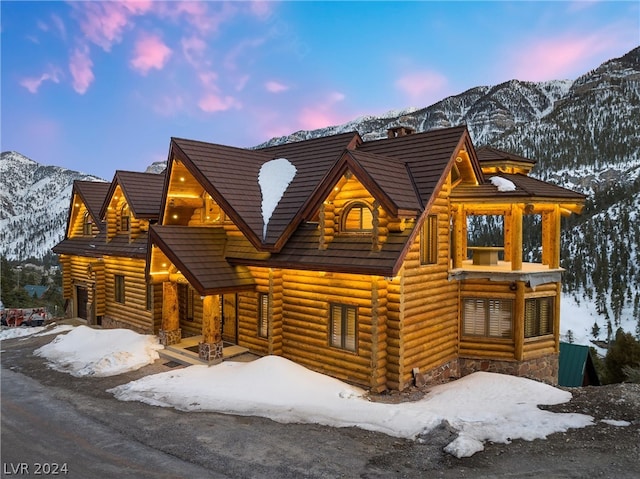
x=170, y=332
x=459, y=252
x=516, y=237
x=518, y=321
x=211, y=347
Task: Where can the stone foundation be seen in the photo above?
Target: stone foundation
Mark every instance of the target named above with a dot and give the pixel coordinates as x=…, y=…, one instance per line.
x=211, y=352
x=167, y=338
x=439, y=375
x=543, y=368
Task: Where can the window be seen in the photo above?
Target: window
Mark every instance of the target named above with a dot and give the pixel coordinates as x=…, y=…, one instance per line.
x=429, y=241
x=538, y=317
x=124, y=218
x=87, y=224
x=343, y=321
x=119, y=288
x=358, y=218
x=487, y=317
x=263, y=315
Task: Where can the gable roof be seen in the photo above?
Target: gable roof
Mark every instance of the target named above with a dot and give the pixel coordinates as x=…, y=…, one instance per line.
x=93, y=195
x=143, y=192
x=237, y=191
x=576, y=367
x=428, y=156
x=199, y=254
x=527, y=188
x=489, y=154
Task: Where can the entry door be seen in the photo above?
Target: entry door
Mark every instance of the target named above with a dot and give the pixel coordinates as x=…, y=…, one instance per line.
x=229, y=318
x=82, y=296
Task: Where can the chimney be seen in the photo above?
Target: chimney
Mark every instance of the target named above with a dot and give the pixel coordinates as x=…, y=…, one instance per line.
x=396, y=131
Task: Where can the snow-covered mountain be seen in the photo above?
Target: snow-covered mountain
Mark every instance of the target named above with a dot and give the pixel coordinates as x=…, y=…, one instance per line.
x=584, y=133
x=34, y=205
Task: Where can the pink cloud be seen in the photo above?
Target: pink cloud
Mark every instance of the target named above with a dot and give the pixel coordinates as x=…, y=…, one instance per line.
x=275, y=87
x=150, y=52
x=556, y=58
x=212, y=103
x=33, y=84
x=193, y=48
x=208, y=78
x=322, y=114
x=198, y=14
x=80, y=67
x=104, y=22
x=422, y=86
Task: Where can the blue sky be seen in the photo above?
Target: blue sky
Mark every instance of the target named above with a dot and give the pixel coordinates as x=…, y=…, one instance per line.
x=100, y=86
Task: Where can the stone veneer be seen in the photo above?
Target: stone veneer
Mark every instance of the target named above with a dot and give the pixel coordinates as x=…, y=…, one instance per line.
x=211, y=352
x=167, y=338
x=543, y=368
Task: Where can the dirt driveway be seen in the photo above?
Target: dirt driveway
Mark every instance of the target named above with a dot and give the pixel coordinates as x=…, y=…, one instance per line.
x=243, y=447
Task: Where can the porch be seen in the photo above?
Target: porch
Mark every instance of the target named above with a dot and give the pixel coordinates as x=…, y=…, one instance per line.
x=532, y=274
x=186, y=352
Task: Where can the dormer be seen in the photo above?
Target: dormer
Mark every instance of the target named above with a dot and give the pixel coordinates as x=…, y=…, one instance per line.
x=494, y=161
x=84, y=215
x=132, y=204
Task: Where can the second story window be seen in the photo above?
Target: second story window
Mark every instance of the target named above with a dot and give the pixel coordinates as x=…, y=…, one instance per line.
x=87, y=224
x=357, y=218
x=125, y=220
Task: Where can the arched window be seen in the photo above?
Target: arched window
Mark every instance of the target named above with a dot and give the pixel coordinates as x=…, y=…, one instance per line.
x=357, y=218
x=124, y=218
x=87, y=224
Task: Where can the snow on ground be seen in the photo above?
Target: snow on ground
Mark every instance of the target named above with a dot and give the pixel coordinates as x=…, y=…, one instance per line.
x=481, y=407
x=21, y=332
x=86, y=351
x=578, y=317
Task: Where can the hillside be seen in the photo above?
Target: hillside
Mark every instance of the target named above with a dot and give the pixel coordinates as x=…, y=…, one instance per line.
x=34, y=204
x=583, y=133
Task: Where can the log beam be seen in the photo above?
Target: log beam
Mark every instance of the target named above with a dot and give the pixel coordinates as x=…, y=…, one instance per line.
x=170, y=332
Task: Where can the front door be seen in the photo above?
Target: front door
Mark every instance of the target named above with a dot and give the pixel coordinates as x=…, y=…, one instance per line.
x=229, y=318
x=82, y=297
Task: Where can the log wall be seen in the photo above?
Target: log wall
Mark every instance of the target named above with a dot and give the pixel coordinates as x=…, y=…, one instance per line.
x=423, y=308
x=133, y=312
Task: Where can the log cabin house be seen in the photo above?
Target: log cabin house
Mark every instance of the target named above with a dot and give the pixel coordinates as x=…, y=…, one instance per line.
x=103, y=255
x=358, y=267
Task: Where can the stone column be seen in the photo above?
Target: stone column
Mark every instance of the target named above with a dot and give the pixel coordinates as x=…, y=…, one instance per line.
x=170, y=333
x=211, y=347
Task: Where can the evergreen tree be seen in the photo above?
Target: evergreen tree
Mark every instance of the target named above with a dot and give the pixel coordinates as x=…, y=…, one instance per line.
x=623, y=352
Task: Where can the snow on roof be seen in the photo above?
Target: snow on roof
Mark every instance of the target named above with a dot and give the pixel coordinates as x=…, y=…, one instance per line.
x=481, y=407
x=274, y=179
x=502, y=183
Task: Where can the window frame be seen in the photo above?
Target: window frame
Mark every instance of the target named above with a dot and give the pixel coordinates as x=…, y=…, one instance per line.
x=495, y=316
x=343, y=342
x=87, y=224
x=537, y=326
x=429, y=240
x=361, y=205
x=119, y=288
x=264, y=315
x=125, y=219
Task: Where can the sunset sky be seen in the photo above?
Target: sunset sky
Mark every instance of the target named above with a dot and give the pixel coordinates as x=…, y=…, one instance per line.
x=100, y=86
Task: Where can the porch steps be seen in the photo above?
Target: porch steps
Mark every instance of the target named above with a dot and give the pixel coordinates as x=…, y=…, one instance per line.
x=179, y=353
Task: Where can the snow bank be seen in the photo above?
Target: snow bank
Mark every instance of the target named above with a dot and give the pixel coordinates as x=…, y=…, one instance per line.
x=274, y=179
x=24, y=331
x=482, y=406
x=502, y=183
x=86, y=351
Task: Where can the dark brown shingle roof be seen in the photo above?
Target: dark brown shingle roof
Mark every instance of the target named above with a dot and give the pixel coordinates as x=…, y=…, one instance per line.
x=199, y=254
x=143, y=192
x=526, y=188
x=93, y=194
